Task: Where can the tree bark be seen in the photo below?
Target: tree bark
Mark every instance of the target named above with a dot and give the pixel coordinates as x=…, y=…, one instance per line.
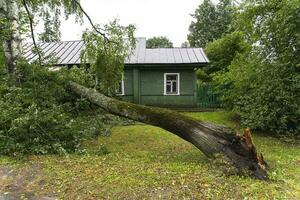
x=211, y=139
x=12, y=43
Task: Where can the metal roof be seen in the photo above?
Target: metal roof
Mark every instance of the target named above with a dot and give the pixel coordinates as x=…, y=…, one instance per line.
x=68, y=53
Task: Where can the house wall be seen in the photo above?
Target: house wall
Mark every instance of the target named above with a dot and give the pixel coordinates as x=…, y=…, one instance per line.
x=128, y=85
x=146, y=86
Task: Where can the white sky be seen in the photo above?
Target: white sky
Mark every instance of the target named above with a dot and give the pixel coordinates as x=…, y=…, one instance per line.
x=169, y=18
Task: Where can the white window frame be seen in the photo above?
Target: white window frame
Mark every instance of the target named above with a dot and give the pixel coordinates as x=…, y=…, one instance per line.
x=165, y=83
x=122, y=88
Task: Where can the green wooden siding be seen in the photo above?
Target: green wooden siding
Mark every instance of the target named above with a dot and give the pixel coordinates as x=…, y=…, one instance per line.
x=152, y=88
x=146, y=86
x=128, y=86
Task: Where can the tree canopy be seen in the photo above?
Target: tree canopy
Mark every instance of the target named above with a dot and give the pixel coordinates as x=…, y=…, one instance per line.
x=256, y=68
x=210, y=22
x=159, y=42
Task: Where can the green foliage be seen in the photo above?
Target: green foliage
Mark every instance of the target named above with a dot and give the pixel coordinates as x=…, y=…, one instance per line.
x=159, y=42
x=2, y=61
x=102, y=150
x=258, y=76
x=185, y=44
x=49, y=14
x=221, y=52
x=107, y=55
x=211, y=22
x=51, y=26
x=4, y=27
x=266, y=96
x=45, y=13
x=40, y=116
x=275, y=26
x=202, y=75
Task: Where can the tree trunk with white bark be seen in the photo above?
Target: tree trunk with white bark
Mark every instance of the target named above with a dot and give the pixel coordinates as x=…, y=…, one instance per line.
x=12, y=43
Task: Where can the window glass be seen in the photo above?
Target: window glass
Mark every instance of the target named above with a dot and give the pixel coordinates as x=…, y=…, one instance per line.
x=168, y=89
x=172, y=77
x=120, y=88
x=171, y=84
x=174, y=87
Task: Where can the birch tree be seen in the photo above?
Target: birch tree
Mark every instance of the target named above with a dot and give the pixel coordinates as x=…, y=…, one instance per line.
x=11, y=37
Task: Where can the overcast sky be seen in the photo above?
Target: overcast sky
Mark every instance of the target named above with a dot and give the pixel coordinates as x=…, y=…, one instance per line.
x=169, y=18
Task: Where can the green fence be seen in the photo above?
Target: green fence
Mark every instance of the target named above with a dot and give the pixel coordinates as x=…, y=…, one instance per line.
x=206, y=97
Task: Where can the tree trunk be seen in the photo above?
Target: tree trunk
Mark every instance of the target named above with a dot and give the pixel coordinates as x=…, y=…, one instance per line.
x=12, y=43
x=211, y=139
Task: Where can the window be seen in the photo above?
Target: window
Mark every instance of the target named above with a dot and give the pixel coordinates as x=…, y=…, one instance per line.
x=120, y=87
x=171, y=84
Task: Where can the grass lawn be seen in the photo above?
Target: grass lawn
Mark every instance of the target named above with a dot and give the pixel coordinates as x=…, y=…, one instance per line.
x=145, y=162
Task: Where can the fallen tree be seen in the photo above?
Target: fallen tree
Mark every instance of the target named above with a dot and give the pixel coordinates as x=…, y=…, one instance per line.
x=211, y=139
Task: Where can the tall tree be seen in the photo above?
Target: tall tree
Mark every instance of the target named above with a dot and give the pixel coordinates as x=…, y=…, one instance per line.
x=211, y=22
x=262, y=85
x=159, y=42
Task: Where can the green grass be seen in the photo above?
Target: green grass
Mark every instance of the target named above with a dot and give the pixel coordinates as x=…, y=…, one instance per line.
x=145, y=162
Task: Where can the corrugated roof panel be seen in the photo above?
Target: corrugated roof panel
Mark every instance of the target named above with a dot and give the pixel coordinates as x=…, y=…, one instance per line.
x=184, y=55
x=76, y=58
x=142, y=56
x=148, y=56
x=177, y=55
x=170, y=56
x=204, y=55
x=51, y=51
x=48, y=48
x=199, y=55
x=69, y=53
x=155, y=56
x=30, y=56
x=27, y=49
x=61, y=53
x=163, y=58
x=28, y=52
x=192, y=56
x=61, y=46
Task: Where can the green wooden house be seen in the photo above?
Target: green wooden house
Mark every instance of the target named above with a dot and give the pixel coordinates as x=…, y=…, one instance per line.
x=161, y=77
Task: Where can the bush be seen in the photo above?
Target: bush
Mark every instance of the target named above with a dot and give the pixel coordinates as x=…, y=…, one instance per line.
x=265, y=95
x=38, y=115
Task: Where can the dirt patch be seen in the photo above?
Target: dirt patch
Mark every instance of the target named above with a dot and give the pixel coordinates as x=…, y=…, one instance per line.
x=24, y=182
